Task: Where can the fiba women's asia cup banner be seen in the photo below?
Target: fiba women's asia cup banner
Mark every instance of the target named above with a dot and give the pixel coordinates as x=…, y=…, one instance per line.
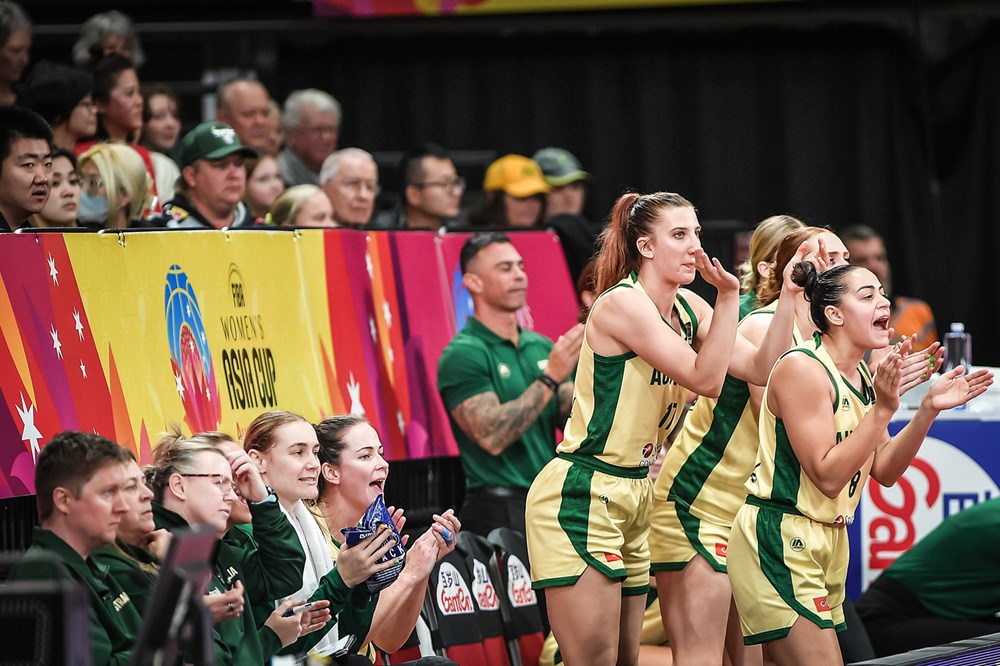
x=126, y=335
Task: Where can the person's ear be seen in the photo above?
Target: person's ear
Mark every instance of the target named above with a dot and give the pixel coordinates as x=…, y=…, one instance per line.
x=473, y=283
x=176, y=485
x=331, y=473
x=834, y=315
x=764, y=269
x=258, y=460
x=645, y=246
x=412, y=195
x=187, y=173
x=61, y=498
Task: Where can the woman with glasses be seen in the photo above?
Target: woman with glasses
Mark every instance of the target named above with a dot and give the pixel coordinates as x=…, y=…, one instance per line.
x=63, y=204
x=193, y=484
x=117, y=190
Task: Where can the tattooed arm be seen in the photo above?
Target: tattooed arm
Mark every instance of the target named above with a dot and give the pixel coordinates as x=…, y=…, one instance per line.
x=494, y=425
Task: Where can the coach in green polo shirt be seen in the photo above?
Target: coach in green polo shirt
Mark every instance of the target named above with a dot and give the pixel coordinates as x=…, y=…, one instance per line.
x=499, y=383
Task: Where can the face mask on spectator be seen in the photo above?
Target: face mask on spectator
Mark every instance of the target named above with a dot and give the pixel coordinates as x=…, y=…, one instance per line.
x=93, y=209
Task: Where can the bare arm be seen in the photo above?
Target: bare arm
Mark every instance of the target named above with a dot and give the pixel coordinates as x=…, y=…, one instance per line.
x=494, y=425
x=801, y=395
x=950, y=390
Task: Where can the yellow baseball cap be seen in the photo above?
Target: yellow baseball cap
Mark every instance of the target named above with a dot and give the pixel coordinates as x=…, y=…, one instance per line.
x=517, y=175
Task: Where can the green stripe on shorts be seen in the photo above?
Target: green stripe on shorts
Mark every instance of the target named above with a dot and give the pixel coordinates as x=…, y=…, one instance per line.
x=574, y=517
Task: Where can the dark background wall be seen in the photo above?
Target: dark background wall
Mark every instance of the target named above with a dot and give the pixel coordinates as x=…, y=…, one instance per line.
x=838, y=112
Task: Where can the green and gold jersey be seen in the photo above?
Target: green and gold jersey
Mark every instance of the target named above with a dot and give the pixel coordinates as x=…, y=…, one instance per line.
x=623, y=408
x=707, y=466
x=779, y=479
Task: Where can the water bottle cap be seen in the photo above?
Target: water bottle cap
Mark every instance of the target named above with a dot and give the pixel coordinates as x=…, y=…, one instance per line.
x=957, y=327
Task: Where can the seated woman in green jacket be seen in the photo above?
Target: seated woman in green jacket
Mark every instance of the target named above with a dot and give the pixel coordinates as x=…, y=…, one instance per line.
x=193, y=484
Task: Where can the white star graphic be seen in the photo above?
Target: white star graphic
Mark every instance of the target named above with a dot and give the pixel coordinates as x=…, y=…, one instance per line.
x=55, y=341
x=371, y=327
x=401, y=422
x=77, y=324
x=354, y=390
x=190, y=313
x=83, y=369
x=392, y=356
x=180, y=386
x=53, y=273
x=204, y=338
x=208, y=393
x=387, y=313
x=369, y=265
x=30, y=432
x=191, y=345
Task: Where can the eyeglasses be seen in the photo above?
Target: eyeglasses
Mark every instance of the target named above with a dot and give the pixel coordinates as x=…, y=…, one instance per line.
x=223, y=483
x=354, y=185
x=87, y=103
x=446, y=185
x=92, y=184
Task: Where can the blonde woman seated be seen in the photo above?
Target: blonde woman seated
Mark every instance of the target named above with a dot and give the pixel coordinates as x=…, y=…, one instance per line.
x=117, y=189
x=302, y=206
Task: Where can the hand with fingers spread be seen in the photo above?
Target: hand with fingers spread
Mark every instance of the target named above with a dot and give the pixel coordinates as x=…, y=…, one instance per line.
x=356, y=563
x=953, y=389
x=246, y=476
x=713, y=273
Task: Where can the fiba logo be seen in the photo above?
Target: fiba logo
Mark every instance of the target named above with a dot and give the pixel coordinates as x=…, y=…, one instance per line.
x=190, y=357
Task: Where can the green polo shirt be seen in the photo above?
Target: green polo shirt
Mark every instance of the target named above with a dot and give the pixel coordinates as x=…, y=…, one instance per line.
x=113, y=618
x=953, y=570
x=476, y=361
x=748, y=303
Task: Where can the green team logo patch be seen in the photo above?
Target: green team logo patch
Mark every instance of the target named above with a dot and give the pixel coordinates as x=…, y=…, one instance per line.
x=797, y=544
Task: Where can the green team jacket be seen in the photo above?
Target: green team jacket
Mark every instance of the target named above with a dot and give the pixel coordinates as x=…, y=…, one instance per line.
x=133, y=568
x=275, y=569
x=114, y=619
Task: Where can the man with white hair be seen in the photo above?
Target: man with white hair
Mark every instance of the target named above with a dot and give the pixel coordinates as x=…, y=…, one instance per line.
x=350, y=178
x=244, y=106
x=312, y=123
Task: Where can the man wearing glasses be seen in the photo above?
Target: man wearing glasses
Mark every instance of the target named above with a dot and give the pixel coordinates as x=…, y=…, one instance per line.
x=350, y=178
x=432, y=189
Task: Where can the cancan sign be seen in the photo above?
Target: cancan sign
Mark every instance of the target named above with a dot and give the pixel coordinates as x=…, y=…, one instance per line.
x=453, y=596
x=519, y=584
x=942, y=480
x=482, y=588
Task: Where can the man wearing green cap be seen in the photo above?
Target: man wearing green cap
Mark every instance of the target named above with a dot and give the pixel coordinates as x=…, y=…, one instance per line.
x=212, y=183
x=564, y=206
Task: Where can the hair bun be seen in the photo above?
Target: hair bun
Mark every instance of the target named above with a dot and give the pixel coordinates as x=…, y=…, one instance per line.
x=804, y=275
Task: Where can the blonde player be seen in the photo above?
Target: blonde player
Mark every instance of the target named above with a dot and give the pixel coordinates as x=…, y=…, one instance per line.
x=647, y=342
x=823, y=430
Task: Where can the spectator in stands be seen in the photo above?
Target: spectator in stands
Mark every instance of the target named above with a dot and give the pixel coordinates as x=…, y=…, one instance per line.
x=212, y=184
x=945, y=588
x=193, y=484
x=353, y=474
x=15, y=48
x=350, y=178
x=62, y=96
x=514, y=190
x=117, y=190
x=285, y=448
x=275, y=129
x=910, y=317
x=498, y=382
x=63, y=204
x=119, y=101
x=312, y=123
x=25, y=144
x=245, y=105
x=161, y=127
x=79, y=481
x=432, y=189
x=302, y=206
x=264, y=184
x=564, y=206
x=107, y=33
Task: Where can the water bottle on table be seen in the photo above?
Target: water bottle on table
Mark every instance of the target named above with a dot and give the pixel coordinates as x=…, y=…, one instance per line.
x=957, y=350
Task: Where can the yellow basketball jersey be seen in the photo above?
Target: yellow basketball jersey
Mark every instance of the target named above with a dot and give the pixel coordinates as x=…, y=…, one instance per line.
x=623, y=408
x=707, y=466
x=779, y=479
